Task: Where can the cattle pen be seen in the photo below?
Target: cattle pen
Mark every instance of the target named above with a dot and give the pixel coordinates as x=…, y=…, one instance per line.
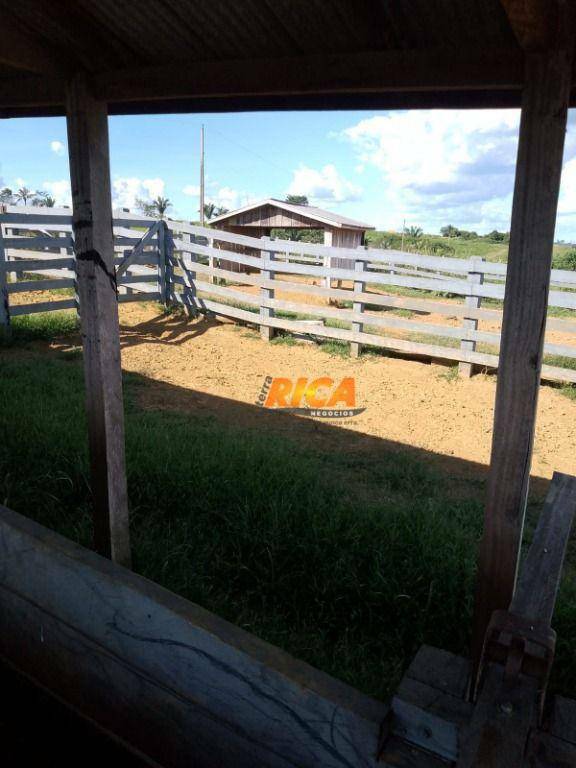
x=175, y=684
x=301, y=288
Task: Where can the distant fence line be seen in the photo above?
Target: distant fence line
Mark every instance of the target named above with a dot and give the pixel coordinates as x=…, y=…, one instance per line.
x=175, y=262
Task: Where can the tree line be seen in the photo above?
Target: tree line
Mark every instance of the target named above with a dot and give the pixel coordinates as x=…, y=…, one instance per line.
x=25, y=195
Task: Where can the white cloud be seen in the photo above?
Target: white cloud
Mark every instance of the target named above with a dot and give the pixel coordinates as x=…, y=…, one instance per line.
x=60, y=191
x=441, y=167
x=57, y=147
x=126, y=190
x=192, y=190
x=323, y=185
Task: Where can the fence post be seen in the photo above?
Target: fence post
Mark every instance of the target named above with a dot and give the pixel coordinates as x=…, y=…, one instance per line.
x=162, y=262
x=328, y=279
x=358, y=306
x=168, y=265
x=4, y=304
x=266, y=332
x=475, y=277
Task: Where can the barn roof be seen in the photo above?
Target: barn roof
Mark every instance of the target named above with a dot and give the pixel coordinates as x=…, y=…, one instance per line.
x=310, y=212
x=188, y=55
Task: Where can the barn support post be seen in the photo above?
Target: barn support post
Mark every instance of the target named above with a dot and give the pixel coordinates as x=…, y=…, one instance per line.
x=266, y=332
x=538, y=171
x=87, y=123
x=358, y=306
x=475, y=277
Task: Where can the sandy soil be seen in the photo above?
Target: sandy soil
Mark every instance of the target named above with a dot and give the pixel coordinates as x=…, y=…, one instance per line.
x=219, y=368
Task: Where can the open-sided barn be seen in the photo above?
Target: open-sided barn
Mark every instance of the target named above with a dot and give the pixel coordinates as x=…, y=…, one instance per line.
x=177, y=684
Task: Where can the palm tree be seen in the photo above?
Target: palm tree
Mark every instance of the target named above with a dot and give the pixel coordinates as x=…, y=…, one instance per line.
x=414, y=232
x=156, y=207
x=160, y=205
x=43, y=200
x=24, y=194
x=209, y=210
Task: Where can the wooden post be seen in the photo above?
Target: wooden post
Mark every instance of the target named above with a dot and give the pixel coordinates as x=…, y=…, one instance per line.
x=538, y=171
x=4, y=303
x=87, y=123
x=266, y=332
x=475, y=277
x=162, y=263
x=358, y=306
x=168, y=244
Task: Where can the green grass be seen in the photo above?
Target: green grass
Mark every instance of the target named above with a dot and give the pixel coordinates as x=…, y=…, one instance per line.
x=349, y=561
x=43, y=326
x=461, y=248
x=243, y=521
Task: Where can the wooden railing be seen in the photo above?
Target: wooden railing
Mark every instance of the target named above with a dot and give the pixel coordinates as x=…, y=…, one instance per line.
x=407, y=303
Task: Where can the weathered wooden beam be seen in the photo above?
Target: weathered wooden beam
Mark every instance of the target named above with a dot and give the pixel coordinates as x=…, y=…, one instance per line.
x=378, y=78
x=536, y=23
x=87, y=122
x=535, y=594
x=538, y=171
x=179, y=684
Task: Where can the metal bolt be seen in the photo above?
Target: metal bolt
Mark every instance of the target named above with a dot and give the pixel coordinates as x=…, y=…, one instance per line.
x=426, y=732
x=506, y=708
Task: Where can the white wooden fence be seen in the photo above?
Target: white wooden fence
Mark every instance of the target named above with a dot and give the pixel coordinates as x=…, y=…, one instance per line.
x=290, y=286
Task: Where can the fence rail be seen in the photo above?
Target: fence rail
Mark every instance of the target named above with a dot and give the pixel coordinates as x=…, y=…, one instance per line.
x=403, y=302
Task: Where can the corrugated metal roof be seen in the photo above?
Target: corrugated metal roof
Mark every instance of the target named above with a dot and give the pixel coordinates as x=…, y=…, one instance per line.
x=311, y=212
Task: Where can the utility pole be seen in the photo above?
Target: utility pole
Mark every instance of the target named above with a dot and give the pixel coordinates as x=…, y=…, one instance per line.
x=202, y=176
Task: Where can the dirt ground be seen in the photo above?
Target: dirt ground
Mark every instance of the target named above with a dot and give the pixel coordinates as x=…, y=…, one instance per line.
x=218, y=368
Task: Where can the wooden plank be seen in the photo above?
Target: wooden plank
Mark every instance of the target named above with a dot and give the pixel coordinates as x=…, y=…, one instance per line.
x=539, y=166
x=430, y=709
x=537, y=588
x=176, y=682
x=41, y=242
x=87, y=124
x=41, y=285
x=138, y=249
x=503, y=718
x=42, y=306
x=38, y=265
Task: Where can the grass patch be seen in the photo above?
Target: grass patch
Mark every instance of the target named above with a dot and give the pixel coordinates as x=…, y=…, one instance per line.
x=40, y=327
x=283, y=339
x=380, y=560
x=335, y=348
x=348, y=561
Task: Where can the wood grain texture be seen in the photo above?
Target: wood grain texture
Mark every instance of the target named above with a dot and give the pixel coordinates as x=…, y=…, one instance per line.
x=539, y=165
x=537, y=588
x=166, y=676
x=87, y=124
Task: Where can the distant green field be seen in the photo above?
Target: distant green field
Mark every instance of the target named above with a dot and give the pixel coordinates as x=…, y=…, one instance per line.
x=458, y=247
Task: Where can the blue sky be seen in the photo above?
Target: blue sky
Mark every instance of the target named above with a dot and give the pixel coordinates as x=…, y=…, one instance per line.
x=428, y=167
